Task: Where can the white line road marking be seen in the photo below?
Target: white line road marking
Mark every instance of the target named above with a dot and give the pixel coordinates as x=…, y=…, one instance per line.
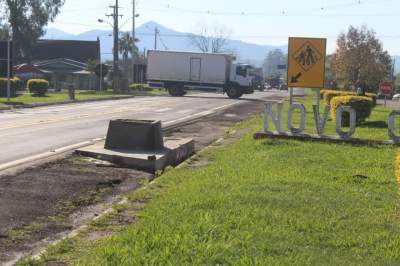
x=44, y=155
x=205, y=113
x=64, y=149
x=184, y=111
x=163, y=110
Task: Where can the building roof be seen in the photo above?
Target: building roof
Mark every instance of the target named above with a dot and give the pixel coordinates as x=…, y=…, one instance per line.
x=80, y=51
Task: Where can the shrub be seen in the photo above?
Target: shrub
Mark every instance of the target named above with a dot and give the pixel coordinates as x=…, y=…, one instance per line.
x=14, y=82
x=140, y=87
x=362, y=105
x=38, y=86
x=330, y=94
x=373, y=96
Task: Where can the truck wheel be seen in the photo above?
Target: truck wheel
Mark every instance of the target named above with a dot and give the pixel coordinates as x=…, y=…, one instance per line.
x=234, y=93
x=176, y=91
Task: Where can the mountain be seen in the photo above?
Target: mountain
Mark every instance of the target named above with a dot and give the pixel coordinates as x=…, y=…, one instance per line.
x=169, y=39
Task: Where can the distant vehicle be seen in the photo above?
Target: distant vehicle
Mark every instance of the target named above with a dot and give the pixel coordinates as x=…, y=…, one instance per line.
x=259, y=81
x=276, y=83
x=182, y=71
x=396, y=97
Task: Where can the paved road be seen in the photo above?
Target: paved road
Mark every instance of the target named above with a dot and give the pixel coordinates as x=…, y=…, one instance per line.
x=27, y=132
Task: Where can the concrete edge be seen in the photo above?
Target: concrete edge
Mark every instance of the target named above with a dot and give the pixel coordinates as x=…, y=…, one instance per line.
x=325, y=139
x=35, y=105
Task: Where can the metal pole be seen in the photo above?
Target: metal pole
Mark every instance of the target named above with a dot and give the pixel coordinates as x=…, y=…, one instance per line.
x=101, y=76
x=155, y=38
x=116, y=35
x=291, y=95
x=133, y=41
x=318, y=98
x=8, y=70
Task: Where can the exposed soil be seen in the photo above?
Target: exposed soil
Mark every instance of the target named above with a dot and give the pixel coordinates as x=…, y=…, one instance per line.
x=44, y=201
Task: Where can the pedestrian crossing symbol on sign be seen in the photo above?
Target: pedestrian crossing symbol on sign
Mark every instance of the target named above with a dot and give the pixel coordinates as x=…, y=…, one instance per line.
x=307, y=56
x=306, y=62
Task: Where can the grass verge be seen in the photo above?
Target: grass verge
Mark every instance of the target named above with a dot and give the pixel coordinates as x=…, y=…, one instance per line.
x=58, y=97
x=260, y=203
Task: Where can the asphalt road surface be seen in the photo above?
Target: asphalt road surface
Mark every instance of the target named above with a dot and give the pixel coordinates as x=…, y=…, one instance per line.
x=25, y=133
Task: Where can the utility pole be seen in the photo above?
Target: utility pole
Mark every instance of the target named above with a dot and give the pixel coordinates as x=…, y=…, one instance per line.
x=133, y=40
x=156, y=32
x=115, y=17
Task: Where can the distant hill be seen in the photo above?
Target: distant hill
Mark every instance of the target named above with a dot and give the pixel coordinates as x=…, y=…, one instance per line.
x=169, y=40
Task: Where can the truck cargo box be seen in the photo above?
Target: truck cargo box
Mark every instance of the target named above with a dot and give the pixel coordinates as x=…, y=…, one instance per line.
x=190, y=68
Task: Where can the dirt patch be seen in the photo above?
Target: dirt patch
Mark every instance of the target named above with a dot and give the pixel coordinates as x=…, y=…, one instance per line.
x=44, y=201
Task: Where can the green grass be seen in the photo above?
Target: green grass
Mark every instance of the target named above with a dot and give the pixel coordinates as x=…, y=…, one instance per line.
x=266, y=202
x=55, y=97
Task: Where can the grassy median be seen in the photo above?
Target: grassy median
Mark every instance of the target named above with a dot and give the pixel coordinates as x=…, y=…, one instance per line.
x=58, y=97
x=261, y=203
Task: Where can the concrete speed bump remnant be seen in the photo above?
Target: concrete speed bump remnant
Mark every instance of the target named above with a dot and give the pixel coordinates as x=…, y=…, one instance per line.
x=140, y=144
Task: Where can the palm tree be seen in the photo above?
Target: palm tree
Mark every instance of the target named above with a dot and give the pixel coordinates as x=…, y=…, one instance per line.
x=125, y=46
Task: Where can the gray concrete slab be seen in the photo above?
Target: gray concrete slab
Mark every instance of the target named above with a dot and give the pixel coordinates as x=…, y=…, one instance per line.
x=175, y=152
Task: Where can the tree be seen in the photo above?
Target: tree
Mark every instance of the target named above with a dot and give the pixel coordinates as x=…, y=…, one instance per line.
x=125, y=44
x=214, y=39
x=360, y=56
x=272, y=61
x=27, y=19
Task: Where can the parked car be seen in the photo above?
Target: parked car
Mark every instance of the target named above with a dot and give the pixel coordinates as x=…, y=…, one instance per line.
x=396, y=97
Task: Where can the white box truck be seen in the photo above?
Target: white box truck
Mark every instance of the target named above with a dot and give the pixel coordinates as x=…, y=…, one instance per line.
x=182, y=71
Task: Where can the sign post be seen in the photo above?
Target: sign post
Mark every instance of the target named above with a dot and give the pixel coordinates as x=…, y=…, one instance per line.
x=386, y=89
x=8, y=70
x=306, y=64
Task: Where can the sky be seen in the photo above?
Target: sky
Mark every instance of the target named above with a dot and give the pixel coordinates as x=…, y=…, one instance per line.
x=268, y=22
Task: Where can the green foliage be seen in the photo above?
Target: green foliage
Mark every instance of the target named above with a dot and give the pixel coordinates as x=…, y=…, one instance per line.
x=271, y=62
x=140, y=87
x=360, y=56
x=28, y=19
x=15, y=82
x=362, y=105
x=38, y=87
x=374, y=98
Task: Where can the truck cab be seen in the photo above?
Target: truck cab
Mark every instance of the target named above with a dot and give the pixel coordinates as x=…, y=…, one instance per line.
x=240, y=81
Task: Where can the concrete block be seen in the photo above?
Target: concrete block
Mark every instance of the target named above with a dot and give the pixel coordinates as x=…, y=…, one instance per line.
x=174, y=152
x=134, y=135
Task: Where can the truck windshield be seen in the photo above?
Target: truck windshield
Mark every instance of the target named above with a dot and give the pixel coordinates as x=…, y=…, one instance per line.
x=241, y=71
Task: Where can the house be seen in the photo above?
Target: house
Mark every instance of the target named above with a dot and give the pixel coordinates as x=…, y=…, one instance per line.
x=65, y=62
x=60, y=72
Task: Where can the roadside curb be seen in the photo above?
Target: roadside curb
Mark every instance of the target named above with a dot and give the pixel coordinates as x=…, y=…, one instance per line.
x=35, y=105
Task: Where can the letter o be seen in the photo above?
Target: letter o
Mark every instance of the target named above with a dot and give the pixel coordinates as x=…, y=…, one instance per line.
x=353, y=117
x=302, y=109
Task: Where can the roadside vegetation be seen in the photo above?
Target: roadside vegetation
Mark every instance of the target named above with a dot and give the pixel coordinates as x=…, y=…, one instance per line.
x=248, y=202
x=63, y=96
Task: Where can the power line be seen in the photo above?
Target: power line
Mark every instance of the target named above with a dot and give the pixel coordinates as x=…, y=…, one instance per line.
x=281, y=13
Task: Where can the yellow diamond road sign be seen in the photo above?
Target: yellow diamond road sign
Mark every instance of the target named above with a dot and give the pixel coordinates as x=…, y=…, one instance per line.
x=306, y=62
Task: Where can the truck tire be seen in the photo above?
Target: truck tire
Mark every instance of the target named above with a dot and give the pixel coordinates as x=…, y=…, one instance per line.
x=234, y=92
x=176, y=91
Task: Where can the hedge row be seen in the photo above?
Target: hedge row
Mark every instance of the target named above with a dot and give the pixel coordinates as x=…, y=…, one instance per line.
x=38, y=86
x=14, y=82
x=361, y=104
x=328, y=95
x=140, y=87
